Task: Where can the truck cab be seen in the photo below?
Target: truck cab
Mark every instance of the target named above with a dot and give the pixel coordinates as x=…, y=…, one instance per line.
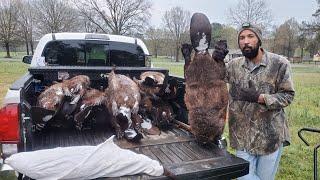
x=84, y=49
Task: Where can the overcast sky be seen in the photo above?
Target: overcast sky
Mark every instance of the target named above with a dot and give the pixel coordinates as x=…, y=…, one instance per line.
x=216, y=10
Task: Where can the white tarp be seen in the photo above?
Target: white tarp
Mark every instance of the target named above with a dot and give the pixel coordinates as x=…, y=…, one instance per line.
x=83, y=162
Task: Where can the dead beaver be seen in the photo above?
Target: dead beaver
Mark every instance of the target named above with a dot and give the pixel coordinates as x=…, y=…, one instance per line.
x=206, y=95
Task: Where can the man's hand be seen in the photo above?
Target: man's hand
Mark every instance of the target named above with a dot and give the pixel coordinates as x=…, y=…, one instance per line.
x=245, y=94
x=220, y=50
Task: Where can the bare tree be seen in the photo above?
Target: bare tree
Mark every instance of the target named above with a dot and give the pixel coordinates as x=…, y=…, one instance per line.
x=177, y=21
x=55, y=16
x=224, y=32
x=216, y=33
x=286, y=38
x=25, y=24
x=168, y=42
x=311, y=33
x=8, y=23
x=154, y=36
x=252, y=11
x=87, y=25
x=230, y=34
x=313, y=44
x=302, y=43
x=116, y=16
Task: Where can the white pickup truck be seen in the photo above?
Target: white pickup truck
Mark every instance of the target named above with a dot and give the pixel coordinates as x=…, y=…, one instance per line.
x=70, y=54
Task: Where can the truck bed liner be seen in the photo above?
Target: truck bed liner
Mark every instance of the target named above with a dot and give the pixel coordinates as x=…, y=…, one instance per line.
x=176, y=149
x=52, y=139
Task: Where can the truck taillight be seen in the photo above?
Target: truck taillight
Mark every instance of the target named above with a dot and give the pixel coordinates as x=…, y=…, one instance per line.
x=9, y=124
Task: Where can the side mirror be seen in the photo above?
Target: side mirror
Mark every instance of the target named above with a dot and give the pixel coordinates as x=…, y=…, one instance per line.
x=27, y=59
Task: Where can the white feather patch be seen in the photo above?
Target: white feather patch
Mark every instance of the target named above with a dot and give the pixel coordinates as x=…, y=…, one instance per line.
x=114, y=108
x=47, y=118
x=135, y=108
x=131, y=133
x=82, y=107
x=203, y=44
x=125, y=112
x=59, y=92
x=152, y=77
x=75, y=100
x=146, y=124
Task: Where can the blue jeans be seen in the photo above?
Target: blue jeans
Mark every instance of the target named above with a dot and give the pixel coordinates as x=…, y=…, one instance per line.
x=262, y=167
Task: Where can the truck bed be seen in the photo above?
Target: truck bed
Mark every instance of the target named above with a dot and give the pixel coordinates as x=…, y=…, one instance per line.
x=176, y=149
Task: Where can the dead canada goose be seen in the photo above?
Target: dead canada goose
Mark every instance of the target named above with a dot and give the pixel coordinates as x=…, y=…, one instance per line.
x=123, y=103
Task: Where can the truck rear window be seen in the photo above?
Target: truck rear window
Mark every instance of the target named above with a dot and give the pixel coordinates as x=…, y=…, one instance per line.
x=93, y=53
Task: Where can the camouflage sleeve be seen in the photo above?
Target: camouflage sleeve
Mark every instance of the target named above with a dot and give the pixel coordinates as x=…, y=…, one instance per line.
x=284, y=89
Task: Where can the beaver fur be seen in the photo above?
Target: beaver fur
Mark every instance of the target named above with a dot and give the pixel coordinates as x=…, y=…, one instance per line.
x=206, y=95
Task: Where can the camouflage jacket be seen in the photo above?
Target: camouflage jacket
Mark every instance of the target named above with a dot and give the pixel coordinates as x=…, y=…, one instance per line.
x=260, y=128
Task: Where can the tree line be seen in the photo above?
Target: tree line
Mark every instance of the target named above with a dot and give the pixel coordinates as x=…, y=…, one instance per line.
x=25, y=21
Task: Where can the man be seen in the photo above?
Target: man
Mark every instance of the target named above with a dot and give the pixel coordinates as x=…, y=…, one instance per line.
x=260, y=86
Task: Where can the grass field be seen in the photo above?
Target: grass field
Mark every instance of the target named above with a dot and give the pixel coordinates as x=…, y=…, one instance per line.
x=297, y=159
x=10, y=70
x=15, y=56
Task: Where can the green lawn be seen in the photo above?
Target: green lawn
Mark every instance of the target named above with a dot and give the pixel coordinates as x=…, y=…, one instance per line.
x=15, y=56
x=175, y=68
x=304, y=112
x=10, y=69
x=297, y=159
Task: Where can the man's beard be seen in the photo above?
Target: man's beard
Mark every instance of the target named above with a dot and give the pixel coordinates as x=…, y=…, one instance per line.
x=250, y=52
